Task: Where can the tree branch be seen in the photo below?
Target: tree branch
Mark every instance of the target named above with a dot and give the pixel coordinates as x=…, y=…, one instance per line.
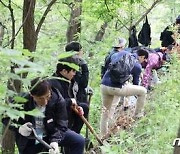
x=144, y=15
x=13, y=38
x=44, y=16
x=3, y=3
x=105, y=2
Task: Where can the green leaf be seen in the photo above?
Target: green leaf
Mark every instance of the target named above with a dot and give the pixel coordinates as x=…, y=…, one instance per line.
x=10, y=52
x=72, y=65
x=35, y=113
x=26, y=52
x=29, y=69
x=66, y=54
x=20, y=99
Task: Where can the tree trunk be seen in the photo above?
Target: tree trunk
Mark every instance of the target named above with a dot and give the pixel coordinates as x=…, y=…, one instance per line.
x=74, y=27
x=1, y=33
x=29, y=42
x=176, y=147
x=29, y=33
x=101, y=32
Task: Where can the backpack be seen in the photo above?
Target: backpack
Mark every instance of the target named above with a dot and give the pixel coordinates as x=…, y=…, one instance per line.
x=120, y=70
x=144, y=36
x=106, y=62
x=133, y=42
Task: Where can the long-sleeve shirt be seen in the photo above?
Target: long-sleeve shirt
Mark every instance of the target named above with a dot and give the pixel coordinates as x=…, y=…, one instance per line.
x=154, y=62
x=135, y=72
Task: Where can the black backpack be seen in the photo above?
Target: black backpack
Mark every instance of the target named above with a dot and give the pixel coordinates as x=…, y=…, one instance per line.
x=144, y=36
x=120, y=70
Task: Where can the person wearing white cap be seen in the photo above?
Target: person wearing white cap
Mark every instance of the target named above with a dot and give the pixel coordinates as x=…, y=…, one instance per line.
x=116, y=48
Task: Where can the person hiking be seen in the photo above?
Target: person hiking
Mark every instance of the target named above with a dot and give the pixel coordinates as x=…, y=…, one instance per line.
x=52, y=128
x=155, y=61
x=116, y=48
x=82, y=76
x=111, y=89
x=167, y=37
x=64, y=75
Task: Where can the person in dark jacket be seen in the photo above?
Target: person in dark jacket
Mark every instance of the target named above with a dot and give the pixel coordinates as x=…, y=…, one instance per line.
x=63, y=83
x=167, y=37
x=52, y=127
x=82, y=76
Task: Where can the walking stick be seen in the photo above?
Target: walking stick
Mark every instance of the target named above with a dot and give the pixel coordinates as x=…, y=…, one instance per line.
x=88, y=125
x=39, y=139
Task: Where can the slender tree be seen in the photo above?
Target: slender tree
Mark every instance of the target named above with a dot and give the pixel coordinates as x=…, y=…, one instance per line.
x=30, y=35
x=74, y=24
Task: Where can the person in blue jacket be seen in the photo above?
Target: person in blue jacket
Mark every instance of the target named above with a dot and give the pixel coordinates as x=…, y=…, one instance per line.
x=111, y=91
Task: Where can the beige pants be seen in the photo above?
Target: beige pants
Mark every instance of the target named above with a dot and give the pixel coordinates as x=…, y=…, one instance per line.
x=111, y=97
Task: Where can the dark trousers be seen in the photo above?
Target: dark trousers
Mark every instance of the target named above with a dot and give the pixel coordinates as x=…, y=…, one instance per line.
x=32, y=148
x=75, y=122
x=73, y=143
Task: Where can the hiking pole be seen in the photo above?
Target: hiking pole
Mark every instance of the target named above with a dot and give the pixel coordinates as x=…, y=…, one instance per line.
x=88, y=125
x=39, y=139
x=89, y=144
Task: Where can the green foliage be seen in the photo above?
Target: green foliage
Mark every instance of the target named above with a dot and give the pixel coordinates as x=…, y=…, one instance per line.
x=39, y=67
x=156, y=131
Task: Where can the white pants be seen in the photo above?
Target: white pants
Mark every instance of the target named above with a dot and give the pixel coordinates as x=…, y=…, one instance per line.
x=111, y=97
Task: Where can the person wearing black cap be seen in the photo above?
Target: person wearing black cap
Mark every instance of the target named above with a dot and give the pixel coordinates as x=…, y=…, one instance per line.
x=63, y=81
x=82, y=76
x=167, y=36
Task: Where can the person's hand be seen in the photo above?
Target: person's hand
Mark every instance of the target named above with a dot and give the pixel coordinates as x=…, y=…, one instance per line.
x=25, y=130
x=80, y=110
x=55, y=148
x=74, y=103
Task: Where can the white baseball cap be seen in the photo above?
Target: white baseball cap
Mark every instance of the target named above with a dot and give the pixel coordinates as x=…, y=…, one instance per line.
x=121, y=43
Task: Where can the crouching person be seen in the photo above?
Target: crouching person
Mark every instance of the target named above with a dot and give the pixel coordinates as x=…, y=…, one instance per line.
x=52, y=127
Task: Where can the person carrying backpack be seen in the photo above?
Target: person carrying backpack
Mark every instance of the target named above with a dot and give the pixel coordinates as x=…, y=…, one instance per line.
x=167, y=36
x=114, y=84
x=116, y=48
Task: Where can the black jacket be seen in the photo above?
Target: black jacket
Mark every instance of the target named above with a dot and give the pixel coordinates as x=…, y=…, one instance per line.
x=166, y=37
x=82, y=77
x=64, y=87
x=55, y=120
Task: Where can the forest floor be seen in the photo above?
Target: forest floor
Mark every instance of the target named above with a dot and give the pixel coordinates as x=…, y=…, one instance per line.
x=123, y=119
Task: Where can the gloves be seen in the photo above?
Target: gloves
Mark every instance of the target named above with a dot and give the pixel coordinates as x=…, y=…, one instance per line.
x=24, y=130
x=55, y=148
x=73, y=100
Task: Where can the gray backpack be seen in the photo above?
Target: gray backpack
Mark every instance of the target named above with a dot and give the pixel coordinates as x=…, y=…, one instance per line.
x=120, y=70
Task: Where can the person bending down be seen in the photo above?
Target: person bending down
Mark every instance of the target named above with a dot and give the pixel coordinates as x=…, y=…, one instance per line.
x=52, y=127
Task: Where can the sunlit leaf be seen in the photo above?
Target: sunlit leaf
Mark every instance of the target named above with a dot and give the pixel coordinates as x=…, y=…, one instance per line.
x=66, y=54
x=72, y=65
x=20, y=99
x=35, y=113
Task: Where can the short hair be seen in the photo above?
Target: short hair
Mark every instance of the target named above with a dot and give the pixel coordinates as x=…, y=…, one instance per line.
x=39, y=86
x=170, y=47
x=178, y=20
x=60, y=66
x=73, y=46
x=143, y=52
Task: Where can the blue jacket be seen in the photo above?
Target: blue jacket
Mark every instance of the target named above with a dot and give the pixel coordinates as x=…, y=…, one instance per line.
x=136, y=71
